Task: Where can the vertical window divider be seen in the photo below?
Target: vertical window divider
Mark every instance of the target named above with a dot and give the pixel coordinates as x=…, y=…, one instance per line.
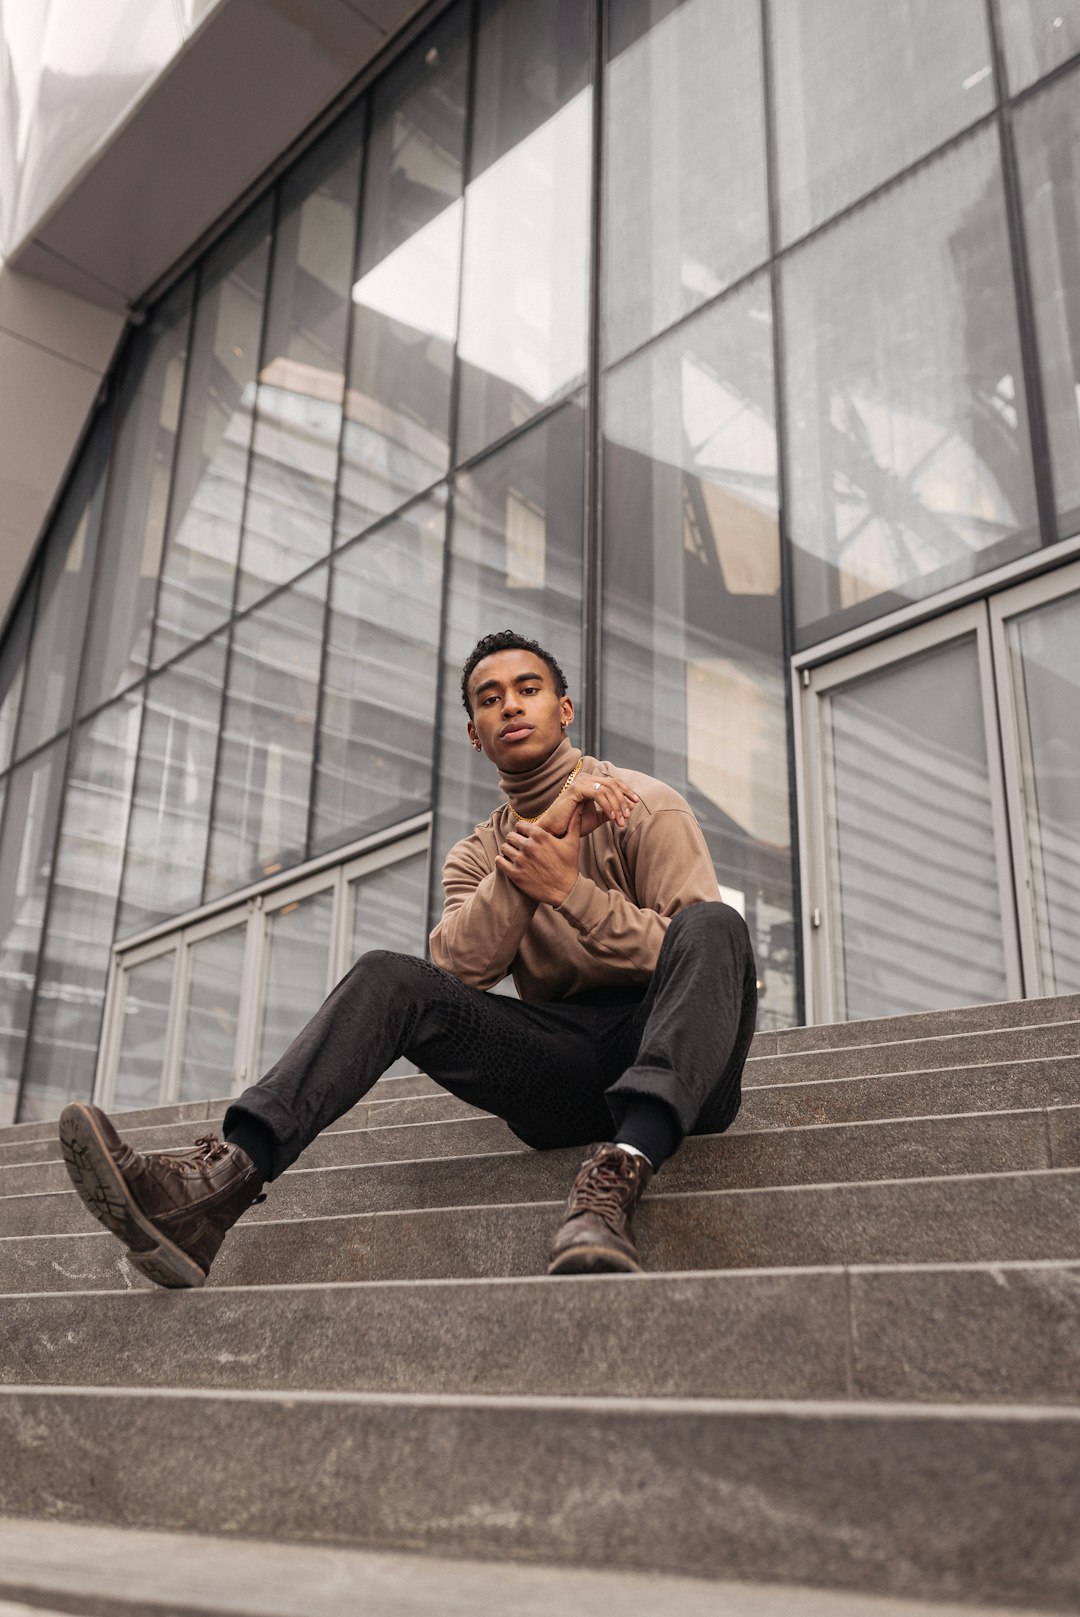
x=787, y=581
x=592, y=591
x=196, y=283
x=316, y=741
x=170, y=1066
x=452, y=434
x=1038, y=433
x=250, y=984
x=229, y=628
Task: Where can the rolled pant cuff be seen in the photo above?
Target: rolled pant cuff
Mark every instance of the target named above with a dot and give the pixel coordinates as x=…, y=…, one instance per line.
x=656, y=1083
x=268, y=1110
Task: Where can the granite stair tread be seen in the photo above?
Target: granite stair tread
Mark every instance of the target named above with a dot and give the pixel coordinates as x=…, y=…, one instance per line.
x=852, y=1364
x=338, y=1174
x=128, y=1573
x=832, y=1486
x=1004, y=1333
x=985, y=1217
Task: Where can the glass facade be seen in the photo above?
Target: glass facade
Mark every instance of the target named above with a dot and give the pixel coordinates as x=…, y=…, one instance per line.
x=680, y=334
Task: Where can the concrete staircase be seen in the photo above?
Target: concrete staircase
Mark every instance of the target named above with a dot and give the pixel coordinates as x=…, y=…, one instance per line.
x=854, y=1364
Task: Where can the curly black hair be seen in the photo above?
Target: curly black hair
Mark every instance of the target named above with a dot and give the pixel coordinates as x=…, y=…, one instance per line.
x=507, y=640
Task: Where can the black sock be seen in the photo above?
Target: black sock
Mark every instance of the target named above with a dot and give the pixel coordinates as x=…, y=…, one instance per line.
x=651, y=1126
x=257, y=1140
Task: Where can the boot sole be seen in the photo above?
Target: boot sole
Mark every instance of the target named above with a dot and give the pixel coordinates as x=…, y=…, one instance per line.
x=593, y=1260
x=102, y=1190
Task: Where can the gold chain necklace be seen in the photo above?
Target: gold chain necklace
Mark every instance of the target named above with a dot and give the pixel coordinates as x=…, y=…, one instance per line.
x=531, y=819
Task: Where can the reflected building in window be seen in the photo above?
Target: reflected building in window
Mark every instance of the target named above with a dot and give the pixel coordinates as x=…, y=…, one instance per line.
x=729, y=348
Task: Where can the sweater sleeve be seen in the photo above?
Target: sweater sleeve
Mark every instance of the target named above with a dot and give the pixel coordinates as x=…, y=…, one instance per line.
x=670, y=867
x=483, y=920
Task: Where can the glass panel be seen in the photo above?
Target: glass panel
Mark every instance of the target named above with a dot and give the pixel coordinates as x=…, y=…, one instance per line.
x=693, y=663
x=26, y=852
x=297, y=964
x=294, y=455
x=1044, y=658
x=264, y=768
x=909, y=464
x=389, y=912
x=377, y=727
x=208, y=1047
x=526, y=257
x=396, y=438
x=912, y=872
x=75, y=954
x=215, y=433
x=134, y=522
x=13, y=667
x=683, y=83
x=170, y=814
x=147, y=991
x=863, y=90
x=1048, y=146
x=1038, y=34
x=63, y=596
x=516, y=562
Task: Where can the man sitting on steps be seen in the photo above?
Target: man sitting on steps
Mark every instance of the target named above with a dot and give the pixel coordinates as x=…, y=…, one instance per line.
x=637, y=986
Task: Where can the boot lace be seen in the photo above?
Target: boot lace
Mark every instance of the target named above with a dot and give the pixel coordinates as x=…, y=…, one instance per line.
x=602, y=1189
x=207, y=1149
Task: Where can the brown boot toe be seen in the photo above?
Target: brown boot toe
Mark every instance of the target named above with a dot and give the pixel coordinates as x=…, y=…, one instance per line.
x=596, y=1235
x=170, y=1209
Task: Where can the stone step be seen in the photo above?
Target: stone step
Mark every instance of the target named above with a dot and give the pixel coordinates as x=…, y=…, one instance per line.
x=981, y=1218
x=98, y=1570
x=1006, y=1086
x=968, y=1021
x=38, y=1199
x=920, y=1025
x=202, y=1111
x=1007, y=1333
x=947, y=1502
x=918, y=1055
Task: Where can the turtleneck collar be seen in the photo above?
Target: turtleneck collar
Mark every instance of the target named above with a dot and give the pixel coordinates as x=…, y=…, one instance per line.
x=531, y=792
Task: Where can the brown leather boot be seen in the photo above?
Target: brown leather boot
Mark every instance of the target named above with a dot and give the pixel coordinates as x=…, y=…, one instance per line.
x=595, y=1235
x=171, y=1209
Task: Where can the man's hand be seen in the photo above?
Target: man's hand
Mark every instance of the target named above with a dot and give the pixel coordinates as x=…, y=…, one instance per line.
x=543, y=866
x=601, y=798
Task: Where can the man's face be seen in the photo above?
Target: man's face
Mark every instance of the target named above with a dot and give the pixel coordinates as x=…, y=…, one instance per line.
x=517, y=716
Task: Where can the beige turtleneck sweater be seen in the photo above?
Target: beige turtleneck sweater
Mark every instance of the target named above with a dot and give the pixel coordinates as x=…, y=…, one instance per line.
x=609, y=928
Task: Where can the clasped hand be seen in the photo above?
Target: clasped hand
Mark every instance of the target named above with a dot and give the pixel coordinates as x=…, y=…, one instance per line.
x=541, y=857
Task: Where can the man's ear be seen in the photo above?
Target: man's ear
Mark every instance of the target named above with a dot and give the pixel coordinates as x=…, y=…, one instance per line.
x=473, y=737
x=566, y=708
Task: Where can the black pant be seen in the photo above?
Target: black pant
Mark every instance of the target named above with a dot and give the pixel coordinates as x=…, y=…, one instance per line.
x=559, y=1074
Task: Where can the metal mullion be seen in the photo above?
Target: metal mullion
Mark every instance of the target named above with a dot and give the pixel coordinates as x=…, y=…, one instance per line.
x=250, y=985
x=108, y=1044
x=795, y=759
x=170, y=1065
x=1013, y=725
x=230, y=626
x=316, y=745
x=999, y=810
x=166, y=526
x=592, y=557
x=451, y=436
x=1012, y=722
x=1038, y=432
x=167, y=520
x=338, y=930
x=73, y=729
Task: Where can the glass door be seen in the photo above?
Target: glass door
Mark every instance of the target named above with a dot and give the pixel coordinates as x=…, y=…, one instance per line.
x=908, y=887
x=1036, y=635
